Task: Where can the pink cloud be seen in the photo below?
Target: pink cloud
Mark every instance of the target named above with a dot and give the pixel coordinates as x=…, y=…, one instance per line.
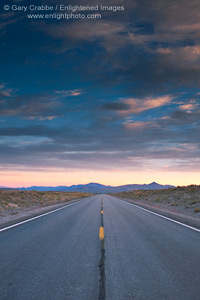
x=164, y=50
x=5, y=92
x=189, y=107
x=138, y=125
x=188, y=27
x=41, y=118
x=185, y=53
x=137, y=105
x=67, y=93
x=192, y=51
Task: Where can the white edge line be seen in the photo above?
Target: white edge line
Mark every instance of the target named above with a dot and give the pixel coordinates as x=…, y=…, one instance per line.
x=31, y=219
x=177, y=222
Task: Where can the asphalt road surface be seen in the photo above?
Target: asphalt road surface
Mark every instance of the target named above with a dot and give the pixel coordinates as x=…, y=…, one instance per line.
x=57, y=256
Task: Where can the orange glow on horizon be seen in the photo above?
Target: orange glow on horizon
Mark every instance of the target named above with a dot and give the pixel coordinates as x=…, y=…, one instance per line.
x=114, y=178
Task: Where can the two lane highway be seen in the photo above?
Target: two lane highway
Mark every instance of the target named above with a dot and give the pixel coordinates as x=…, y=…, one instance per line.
x=57, y=256
x=148, y=257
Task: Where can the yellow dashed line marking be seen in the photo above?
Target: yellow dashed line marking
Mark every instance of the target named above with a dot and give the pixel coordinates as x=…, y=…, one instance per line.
x=101, y=233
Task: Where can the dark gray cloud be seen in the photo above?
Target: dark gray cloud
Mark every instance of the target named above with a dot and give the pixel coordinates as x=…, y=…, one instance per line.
x=42, y=106
x=181, y=118
x=36, y=130
x=149, y=53
x=104, y=145
x=29, y=105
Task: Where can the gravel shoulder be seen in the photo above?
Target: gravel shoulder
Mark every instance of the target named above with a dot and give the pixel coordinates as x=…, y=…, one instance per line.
x=16, y=206
x=181, y=203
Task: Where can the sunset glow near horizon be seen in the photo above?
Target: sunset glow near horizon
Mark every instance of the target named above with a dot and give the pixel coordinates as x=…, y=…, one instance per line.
x=114, y=100
x=115, y=178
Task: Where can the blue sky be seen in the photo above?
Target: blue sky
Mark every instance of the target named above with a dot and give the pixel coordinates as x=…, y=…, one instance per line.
x=118, y=95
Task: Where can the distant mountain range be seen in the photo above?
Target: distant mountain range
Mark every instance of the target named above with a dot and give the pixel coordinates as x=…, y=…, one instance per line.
x=99, y=188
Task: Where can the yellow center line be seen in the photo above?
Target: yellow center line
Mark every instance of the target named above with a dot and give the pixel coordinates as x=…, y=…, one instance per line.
x=101, y=233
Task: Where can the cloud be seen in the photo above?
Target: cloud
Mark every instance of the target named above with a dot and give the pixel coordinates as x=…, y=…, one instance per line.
x=34, y=130
x=44, y=106
x=41, y=118
x=189, y=107
x=132, y=65
x=4, y=92
x=146, y=50
x=102, y=146
x=164, y=50
x=137, y=105
x=105, y=33
x=139, y=125
x=30, y=106
x=183, y=54
x=181, y=118
x=69, y=93
x=118, y=106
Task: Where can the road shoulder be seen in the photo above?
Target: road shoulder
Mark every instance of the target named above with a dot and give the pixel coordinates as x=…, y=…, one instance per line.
x=180, y=217
x=10, y=219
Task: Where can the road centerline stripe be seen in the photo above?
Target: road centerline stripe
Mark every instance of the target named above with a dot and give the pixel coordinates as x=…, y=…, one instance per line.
x=101, y=233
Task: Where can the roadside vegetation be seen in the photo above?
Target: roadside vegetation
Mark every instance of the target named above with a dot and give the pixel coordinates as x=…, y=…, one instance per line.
x=185, y=198
x=14, y=201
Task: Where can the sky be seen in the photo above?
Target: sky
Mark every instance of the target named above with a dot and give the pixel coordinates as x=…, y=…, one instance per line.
x=113, y=100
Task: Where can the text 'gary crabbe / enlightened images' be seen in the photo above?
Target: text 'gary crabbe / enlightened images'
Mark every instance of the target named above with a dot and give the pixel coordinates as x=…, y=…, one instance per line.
x=61, y=11
x=62, y=7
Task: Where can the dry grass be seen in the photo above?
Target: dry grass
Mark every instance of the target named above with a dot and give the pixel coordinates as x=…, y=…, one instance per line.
x=197, y=209
x=15, y=200
x=184, y=197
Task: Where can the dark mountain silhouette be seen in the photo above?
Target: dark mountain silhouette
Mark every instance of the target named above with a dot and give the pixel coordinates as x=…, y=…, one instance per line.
x=99, y=188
